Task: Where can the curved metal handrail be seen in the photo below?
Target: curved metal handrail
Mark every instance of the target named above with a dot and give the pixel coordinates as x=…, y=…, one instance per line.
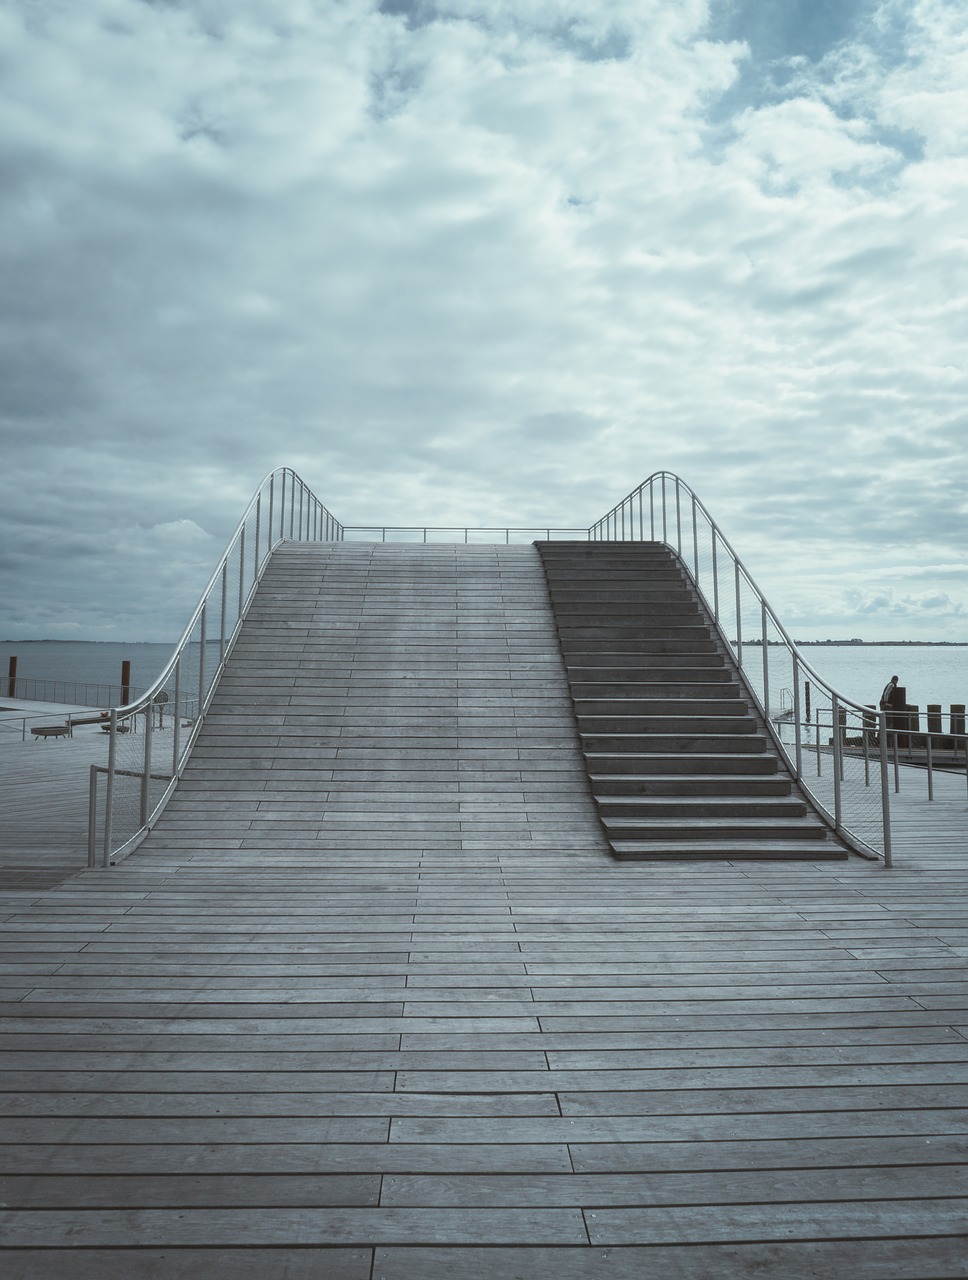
x=663, y=504
x=282, y=507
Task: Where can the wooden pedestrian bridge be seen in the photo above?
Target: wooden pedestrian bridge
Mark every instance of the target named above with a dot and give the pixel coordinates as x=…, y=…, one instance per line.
x=489, y=931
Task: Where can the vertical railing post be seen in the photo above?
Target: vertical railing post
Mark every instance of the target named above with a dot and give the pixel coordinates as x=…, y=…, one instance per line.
x=292, y=506
x=695, y=540
x=766, y=658
x=241, y=572
x=662, y=495
x=678, y=520
x=201, y=661
x=885, y=788
x=739, y=615
x=641, y=518
x=282, y=506
x=109, y=787
x=838, y=758
x=270, y=527
x=146, y=775
x=715, y=576
x=92, y=817
x=225, y=602
x=177, y=720
x=257, y=551
x=652, y=511
x=797, y=732
x=927, y=747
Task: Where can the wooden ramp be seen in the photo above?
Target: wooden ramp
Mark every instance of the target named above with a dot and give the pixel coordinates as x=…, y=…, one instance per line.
x=374, y=1000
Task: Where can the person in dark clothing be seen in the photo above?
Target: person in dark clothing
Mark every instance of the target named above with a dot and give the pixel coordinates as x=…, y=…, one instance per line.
x=893, y=701
x=889, y=697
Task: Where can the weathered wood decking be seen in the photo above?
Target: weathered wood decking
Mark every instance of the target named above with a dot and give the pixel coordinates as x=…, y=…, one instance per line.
x=374, y=1001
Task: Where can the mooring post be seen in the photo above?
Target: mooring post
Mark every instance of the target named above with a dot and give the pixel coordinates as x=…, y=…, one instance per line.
x=12, y=677
x=125, y=682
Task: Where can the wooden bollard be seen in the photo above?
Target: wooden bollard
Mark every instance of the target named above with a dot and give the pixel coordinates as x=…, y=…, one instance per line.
x=12, y=677
x=934, y=717
x=125, y=682
x=912, y=715
x=957, y=723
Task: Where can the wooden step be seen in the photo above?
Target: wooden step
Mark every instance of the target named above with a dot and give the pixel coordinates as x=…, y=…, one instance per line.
x=692, y=762
x=675, y=750
x=691, y=807
x=609, y=687
x=713, y=828
x=671, y=785
x=684, y=721
x=729, y=851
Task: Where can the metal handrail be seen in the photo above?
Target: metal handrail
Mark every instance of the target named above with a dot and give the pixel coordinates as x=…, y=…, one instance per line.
x=659, y=509
x=468, y=533
x=283, y=508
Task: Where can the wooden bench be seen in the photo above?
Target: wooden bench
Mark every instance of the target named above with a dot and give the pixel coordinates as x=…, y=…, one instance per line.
x=85, y=717
x=51, y=730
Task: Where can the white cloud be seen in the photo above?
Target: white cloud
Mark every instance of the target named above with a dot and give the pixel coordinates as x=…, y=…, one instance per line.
x=482, y=263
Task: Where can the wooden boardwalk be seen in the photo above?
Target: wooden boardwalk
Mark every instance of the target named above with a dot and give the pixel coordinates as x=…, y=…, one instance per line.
x=45, y=782
x=373, y=1001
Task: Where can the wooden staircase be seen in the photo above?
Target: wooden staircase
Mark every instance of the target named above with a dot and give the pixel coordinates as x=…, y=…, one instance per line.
x=679, y=762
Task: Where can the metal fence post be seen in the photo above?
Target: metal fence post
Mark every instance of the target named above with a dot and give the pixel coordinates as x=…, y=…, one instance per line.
x=739, y=614
x=662, y=495
x=225, y=601
x=838, y=758
x=797, y=730
x=241, y=571
x=109, y=786
x=146, y=776
x=695, y=540
x=885, y=788
x=766, y=658
x=92, y=817
x=176, y=721
x=678, y=520
x=201, y=661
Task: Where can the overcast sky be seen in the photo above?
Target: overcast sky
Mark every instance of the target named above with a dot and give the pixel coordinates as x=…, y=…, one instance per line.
x=484, y=262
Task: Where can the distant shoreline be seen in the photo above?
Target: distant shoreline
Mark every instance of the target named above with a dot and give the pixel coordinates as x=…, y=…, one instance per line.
x=858, y=644
x=801, y=644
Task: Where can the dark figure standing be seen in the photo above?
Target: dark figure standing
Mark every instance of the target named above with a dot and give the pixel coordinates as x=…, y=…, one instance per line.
x=889, y=695
x=893, y=700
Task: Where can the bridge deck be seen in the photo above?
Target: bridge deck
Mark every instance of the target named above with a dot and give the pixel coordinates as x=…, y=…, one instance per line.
x=415, y=1023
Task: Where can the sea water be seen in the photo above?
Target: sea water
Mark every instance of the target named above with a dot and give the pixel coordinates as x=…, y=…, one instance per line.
x=930, y=673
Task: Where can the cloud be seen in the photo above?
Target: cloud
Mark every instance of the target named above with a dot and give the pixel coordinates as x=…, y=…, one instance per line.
x=480, y=264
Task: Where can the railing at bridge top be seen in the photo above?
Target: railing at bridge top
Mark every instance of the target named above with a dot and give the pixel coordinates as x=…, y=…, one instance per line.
x=143, y=767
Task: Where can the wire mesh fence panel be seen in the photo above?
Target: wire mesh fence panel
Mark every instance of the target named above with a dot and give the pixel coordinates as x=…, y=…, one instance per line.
x=126, y=782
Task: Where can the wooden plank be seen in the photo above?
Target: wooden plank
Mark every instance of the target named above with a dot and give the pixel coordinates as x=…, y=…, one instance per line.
x=760, y=1186
x=81, y=1228
x=188, y=1264
x=820, y=1260
x=410, y=965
